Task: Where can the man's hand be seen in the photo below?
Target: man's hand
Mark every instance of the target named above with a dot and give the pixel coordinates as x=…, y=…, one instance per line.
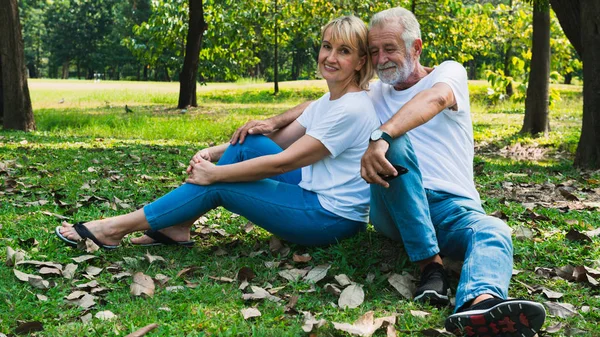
x=374, y=165
x=253, y=127
x=203, y=172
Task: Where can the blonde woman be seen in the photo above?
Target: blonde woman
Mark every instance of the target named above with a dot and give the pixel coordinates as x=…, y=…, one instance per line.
x=302, y=183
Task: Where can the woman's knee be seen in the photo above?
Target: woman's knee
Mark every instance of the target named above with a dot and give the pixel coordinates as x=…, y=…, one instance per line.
x=254, y=142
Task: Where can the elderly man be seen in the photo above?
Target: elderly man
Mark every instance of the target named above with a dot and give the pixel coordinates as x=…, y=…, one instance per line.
x=434, y=207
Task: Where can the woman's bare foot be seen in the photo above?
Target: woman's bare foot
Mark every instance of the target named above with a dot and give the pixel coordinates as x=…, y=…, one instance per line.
x=103, y=230
x=177, y=233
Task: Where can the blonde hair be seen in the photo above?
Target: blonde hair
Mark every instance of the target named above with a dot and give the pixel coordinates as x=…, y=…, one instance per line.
x=353, y=32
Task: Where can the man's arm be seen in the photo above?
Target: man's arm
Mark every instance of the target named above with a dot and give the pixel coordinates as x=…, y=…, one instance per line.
x=419, y=110
x=268, y=125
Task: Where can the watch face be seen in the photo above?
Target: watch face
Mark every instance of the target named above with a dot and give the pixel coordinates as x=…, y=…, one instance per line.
x=376, y=134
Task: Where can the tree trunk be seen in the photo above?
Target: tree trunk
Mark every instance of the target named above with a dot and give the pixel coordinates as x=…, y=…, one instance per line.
x=536, y=103
x=65, y=70
x=569, y=13
x=16, y=108
x=187, y=78
x=588, y=150
x=276, y=57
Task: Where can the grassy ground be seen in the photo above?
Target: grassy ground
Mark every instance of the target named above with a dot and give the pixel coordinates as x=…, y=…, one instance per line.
x=90, y=159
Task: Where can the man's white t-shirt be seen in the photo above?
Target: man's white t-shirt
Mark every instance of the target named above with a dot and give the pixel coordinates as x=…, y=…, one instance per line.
x=444, y=145
x=343, y=126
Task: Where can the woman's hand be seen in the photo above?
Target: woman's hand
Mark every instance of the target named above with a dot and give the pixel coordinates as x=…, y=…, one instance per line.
x=202, y=172
x=202, y=154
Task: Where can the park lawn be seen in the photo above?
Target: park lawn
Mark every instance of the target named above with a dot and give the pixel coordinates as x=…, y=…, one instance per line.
x=91, y=159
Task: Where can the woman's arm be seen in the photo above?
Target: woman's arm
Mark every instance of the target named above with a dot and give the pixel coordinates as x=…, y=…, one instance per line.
x=305, y=151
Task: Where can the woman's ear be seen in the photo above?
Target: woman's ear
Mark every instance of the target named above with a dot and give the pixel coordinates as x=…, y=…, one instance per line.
x=361, y=63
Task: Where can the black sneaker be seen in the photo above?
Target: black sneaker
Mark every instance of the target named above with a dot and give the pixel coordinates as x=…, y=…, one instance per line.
x=495, y=317
x=433, y=285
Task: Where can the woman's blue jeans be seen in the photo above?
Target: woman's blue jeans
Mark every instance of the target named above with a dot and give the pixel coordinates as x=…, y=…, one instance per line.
x=277, y=204
x=430, y=222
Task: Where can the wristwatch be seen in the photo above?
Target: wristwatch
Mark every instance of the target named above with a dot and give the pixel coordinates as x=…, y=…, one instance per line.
x=378, y=134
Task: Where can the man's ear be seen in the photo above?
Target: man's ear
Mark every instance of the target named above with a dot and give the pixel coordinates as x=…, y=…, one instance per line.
x=417, y=47
x=361, y=63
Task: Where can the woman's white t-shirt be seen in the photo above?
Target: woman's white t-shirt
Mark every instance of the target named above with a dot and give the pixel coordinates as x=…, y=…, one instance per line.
x=343, y=126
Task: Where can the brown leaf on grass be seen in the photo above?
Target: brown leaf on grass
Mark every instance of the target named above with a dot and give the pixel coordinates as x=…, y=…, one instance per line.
x=221, y=279
x=562, y=310
x=552, y=295
x=292, y=275
x=332, y=289
x=69, y=271
x=154, y=258
x=29, y=327
x=77, y=294
x=556, y=327
x=317, y=273
x=365, y=325
x=565, y=272
x=100, y=290
x=259, y=293
x=523, y=233
x=86, y=301
x=545, y=272
x=89, y=285
x=35, y=280
x=188, y=271
x=343, y=280
x=403, y=284
x=351, y=297
x=575, y=235
x=418, y=313
x=40, y=264
x=301, y=258
x=13, y=257
x=535, y=216
x=93, y=271
x=593, y=233
x=83, y=258
x=105, y=315
x=142, y=285
x=50, y=271
x=174, y=288
x=566, y=192
x=500, y=215
x=121, y=275
x=87, y=245
x=311, y=323
x=290, y=307
x=245, y=274
x=41, y=297
x=143, y=331
x=248, y=227
x=250, y=312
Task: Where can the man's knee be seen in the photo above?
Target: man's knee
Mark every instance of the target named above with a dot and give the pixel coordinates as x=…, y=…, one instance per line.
x=498, y=230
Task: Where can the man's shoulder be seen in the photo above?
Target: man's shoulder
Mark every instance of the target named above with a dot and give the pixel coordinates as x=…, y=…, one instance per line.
x=450, y=66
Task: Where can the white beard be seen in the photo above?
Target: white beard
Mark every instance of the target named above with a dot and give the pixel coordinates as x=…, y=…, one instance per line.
x=398, y=75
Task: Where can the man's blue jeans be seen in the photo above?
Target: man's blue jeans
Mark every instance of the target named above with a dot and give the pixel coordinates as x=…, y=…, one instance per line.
x=430, y=222
x=277, y=204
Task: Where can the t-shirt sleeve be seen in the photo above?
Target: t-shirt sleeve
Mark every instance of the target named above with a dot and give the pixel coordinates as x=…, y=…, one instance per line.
x=454, y=75
x=336, y=130
x=306, y=117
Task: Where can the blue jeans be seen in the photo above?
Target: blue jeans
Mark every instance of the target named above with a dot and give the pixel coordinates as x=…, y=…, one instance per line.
x=277, y=204
x=430, y=222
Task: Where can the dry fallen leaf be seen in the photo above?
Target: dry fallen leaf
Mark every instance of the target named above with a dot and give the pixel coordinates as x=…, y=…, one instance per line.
x=575, y=235
x=245, y=274
x=41, y=297
x=292, y=274
x=552, y=295
x=403, y=284
x=317, y=273
x=343, y=280
x=311, y=323
x=93, y=271
x=418, y=313
x=105, y=315
x=351, y=297
x=141, y=332
x=122, y=275
x=250, y=312
x=85, y=302
x=69, y=271
x=259, y=293
x=142, y=285
x=221, y=279
x=83, y=258
x=89, y=285
x=365, y=325
x=28, y=327
x=556, y=327
x=153, y=258
x=562, y=310
x=301, y=258
x=332, y=289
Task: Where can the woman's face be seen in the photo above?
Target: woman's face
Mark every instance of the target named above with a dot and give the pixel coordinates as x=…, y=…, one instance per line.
x=338, y=62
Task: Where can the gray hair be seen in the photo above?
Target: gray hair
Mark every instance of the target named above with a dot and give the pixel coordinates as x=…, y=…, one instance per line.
x=405, y=18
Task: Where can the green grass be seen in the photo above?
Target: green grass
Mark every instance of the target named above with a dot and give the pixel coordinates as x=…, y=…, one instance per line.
x=89, y=147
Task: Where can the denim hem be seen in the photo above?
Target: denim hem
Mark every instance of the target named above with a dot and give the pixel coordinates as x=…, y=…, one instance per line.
x=418, y=257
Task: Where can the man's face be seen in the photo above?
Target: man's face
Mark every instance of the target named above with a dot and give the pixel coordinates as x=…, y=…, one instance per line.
x=389, y=55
